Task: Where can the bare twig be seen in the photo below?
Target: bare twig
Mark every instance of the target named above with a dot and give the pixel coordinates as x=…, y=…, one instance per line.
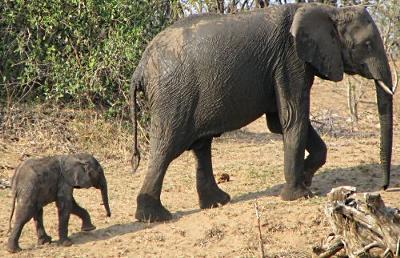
x=245, y=3
x=260, y=241
x=352, y=100
x=220, y=6
x=386, y=36
x=398, y=248
x=387, y=254
x=332, y=250
x=396, y=78
x=366, y=248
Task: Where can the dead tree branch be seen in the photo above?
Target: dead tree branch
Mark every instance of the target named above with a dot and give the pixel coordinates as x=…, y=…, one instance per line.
x=362, y=225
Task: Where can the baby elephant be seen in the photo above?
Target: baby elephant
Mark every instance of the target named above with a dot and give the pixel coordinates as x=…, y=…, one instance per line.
x=37, y=182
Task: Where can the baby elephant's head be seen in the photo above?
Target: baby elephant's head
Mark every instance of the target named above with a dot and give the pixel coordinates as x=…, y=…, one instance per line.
x=84, y=171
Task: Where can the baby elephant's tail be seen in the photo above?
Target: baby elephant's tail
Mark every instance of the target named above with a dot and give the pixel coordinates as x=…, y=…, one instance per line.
x=14, y=197
x=12, y=211
x=135, y=86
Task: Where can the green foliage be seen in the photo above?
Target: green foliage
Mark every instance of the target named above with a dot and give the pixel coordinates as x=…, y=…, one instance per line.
x=75, y=51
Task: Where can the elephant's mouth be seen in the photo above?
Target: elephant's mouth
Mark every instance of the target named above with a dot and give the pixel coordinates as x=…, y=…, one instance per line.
x=349, y=69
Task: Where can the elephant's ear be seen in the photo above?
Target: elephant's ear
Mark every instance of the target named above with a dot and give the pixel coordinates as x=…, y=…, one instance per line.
x=317, y=41
x=75, y=172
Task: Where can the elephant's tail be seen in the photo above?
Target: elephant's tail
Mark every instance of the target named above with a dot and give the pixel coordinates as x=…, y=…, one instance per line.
x=14, y=197
x=135, y=160
x=12, y=211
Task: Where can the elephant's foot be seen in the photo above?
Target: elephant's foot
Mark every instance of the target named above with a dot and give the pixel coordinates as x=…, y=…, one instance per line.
x=13, y=247
x=150, y=209
x=213, y=197
x=46, y=239
x=88, y=227
x=65, y=242
x=293, y=193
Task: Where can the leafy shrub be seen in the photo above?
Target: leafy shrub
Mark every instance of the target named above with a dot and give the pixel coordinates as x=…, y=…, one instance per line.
x=72, y=51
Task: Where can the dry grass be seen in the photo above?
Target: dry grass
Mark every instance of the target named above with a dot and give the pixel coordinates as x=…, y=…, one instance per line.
x=42, y=130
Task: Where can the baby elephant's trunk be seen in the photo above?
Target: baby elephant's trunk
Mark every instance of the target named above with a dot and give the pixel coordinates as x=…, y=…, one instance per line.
x=104, y=195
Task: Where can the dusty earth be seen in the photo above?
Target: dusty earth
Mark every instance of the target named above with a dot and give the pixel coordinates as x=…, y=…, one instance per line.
x=252, y=157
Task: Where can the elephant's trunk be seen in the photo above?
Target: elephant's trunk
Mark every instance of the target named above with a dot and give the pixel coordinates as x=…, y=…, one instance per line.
x=385, y=109
x=104, y=196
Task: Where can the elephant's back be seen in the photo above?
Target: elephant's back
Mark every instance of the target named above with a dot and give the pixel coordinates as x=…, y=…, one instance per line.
x=176, y=50
x=211, y=39
x=24, y=181
x=37, y=179
x=36, y=170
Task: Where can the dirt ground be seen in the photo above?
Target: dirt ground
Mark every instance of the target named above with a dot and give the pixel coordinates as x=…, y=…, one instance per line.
x=252, y=157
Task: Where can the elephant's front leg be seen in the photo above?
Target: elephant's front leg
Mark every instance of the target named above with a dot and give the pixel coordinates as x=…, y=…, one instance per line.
x=64, y=207
x=210, y=195
x=77, y=210
x=294, y=140
x=293, y=98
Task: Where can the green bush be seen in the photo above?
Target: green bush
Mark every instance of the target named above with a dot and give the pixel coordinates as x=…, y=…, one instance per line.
x=74, y=51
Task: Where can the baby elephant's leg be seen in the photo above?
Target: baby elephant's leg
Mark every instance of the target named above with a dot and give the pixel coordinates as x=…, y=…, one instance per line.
x=83, y=215
x=64, y=207
x=22, y=215
x=43, y=238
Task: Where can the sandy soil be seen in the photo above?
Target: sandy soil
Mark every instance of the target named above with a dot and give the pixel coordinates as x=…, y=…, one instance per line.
x=252, y=157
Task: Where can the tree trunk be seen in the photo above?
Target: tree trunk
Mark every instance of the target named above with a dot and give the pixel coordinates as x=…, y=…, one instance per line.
x=262, y=3
x=220, y=6
x=362, y=225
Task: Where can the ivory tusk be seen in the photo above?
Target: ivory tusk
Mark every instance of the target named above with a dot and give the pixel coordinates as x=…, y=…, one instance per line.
x=385, y=88
x=397, y=81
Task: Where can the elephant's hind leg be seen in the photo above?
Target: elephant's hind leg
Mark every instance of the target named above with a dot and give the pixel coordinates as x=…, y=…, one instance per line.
x=210, y=195
x=163, y=151
x=149, y=207
x=42, y=236
x=23, y=214
x=317, y=155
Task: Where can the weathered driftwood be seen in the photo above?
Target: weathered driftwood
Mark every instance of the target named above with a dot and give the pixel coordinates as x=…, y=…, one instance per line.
x=362, y=225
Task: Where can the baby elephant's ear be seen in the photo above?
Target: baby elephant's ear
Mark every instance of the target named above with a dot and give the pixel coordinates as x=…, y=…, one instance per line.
x=76, y=173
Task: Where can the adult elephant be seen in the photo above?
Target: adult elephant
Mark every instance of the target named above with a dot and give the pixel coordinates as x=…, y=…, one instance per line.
x=212, y=73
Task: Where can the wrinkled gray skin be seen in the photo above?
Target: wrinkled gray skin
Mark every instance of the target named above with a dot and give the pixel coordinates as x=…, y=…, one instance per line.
x=38, y=182
x=210, y=74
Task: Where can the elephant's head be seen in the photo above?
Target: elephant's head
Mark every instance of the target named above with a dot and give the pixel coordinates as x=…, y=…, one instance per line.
x=84, y=171
x=346, y=40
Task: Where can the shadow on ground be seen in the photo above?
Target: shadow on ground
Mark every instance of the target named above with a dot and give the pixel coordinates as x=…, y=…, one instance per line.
x=122, y=229
x=366, y=178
